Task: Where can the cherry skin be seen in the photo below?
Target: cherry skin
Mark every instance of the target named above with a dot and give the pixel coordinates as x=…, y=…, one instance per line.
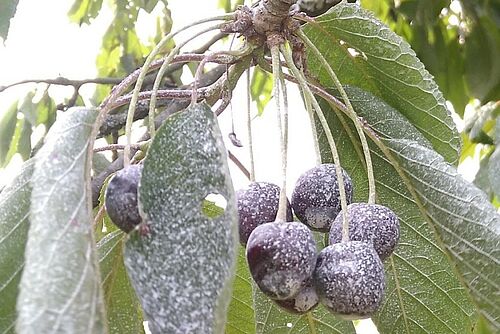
x=316, y=196
x=371, y=223
x=120, y=198
x=258, y=204
x=349, y=279
x=281, y=257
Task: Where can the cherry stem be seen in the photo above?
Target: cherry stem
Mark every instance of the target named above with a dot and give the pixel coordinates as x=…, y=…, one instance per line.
x=350, y=112
x=249, y=129
x=142, y=75
x=314, y=131
x=282, y=125
x=333, y=147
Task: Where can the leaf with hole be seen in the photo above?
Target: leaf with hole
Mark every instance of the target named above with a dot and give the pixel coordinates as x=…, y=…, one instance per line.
x=60, y=288
x=182, y=269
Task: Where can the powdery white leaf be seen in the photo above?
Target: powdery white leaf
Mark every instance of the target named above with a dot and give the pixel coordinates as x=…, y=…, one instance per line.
x=60, y=288
x=423, y=292
x=14, y=224
x=466, y=221
x=367, y=54
x=183, y=268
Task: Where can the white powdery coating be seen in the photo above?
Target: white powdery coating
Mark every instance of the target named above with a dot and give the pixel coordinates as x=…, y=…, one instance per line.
x=281, y=258
x=316, y=197
x=349, y=278
x=258, y=204
x=60, y=289
x=182, y=270
x=303, y=302
x=372, y=223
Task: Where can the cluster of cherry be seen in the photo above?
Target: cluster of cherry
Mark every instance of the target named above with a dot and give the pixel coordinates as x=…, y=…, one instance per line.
x=346, y=276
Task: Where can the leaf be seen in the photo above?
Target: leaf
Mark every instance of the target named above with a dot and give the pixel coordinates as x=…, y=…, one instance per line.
x=7, y=129
x=494, y=171
x=436, y=208
x=464, y=218
x=482, y=180
x=122, y=306
x=482, y=64
x=183, y=269
x=240, y=316
x=365, y=53
x=60, y=289
x=271, y=319
x=7, y=11
x=14, y=224
x=83, y=11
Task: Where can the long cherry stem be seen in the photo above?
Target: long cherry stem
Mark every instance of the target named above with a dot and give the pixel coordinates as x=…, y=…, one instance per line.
x=333, y=147
x=283, y=125
x=350, y=112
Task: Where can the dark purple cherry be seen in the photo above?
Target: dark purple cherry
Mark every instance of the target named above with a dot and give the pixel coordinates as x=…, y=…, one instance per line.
x=349, y=279
x=281, y=258
x=258, y=204
x=120, y=199
x=316, y=197
x=371, y=223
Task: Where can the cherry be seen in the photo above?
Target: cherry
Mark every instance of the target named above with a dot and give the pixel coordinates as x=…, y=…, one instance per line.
x=258, y=204
x=120, y=199
x=281, y=257
x=371, y=223
x=316, y=197
x=349, y=279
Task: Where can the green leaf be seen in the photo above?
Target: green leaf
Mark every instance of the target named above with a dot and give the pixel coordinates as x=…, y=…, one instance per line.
x=7, y=129
x=365, y=53
x=494, y=171
x=14, y=224
x=60, y=289
x=482, y=64
x=21, y=140
x=241, y=317
x=7, y=11
x=83, y=11
x=465, y=220
x=272, y=319
x=183, y=268
x=122, y=306
x=442, y=217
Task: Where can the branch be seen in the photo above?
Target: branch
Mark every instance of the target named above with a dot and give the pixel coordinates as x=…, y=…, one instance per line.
x=61, y=81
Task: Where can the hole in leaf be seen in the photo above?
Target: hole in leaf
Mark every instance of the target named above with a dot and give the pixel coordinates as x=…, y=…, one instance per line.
x=355, y=53
x=213, y=205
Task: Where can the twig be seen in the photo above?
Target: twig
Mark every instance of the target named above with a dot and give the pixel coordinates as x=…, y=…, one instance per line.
x=144, y=70
x=239, y=164
x=61, y=81
x=115, y=147
x=249, y=129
